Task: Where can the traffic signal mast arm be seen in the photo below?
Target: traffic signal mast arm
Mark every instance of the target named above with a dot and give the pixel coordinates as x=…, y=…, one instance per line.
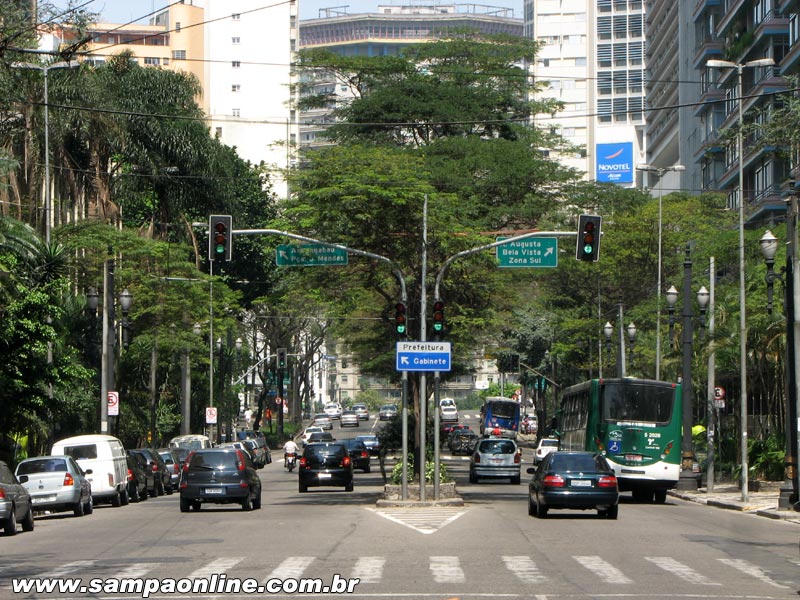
x=516, y=238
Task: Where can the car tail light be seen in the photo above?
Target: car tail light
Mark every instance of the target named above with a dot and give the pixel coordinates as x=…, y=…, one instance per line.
x=364, y=454
x=111, y=480
x=477, y=458
x=176, y=467
x=518, y=457
x=188, y=460
x=606, y=481
x=554, y=481
x=155, y=467
x=303, y=462
x=130, y=475
x=346, y=461
x=2, y=494
x=68, y=480
x=240, y=463
x=184, y=485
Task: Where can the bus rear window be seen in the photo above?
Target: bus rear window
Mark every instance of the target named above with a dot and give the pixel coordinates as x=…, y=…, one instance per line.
x=631, y=402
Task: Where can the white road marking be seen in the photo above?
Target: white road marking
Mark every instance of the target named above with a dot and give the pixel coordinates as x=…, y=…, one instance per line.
x=446, y=569
x=683, y=571
x=291, y=568
x=219, y=566
x=604, y=570
x=752, y=570
x=369, y=569
x=423, y=520
x=524, y=568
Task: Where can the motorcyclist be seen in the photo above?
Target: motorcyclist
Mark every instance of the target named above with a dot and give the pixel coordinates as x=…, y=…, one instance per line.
x=289, y=447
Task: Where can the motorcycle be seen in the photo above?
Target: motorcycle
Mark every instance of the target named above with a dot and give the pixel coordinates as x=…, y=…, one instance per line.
x=291, y=461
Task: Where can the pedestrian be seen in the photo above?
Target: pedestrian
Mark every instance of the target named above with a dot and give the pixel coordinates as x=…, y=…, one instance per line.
x=269, y=419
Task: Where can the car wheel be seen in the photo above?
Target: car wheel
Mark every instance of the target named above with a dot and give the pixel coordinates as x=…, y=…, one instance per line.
x=612, y=512
x=169, y=489
x=515, y=480
x=196, y=504
x=246, y=503
x=541, y=510
x=660, y=496
x=185, y=505
x=302, y=488
x=78, y=509
x=116, y=500
x=124, y=499
x=531, y=507
x=27, y=522
x=89, y=506
x=348, y=487
x=257, y=502
x=10, y=526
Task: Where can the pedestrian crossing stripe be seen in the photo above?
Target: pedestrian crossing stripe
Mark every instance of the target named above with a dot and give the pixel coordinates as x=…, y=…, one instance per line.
x=443, y=569
x=424, y=520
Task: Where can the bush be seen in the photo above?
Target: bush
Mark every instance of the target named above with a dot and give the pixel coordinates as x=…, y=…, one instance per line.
x=397, y=473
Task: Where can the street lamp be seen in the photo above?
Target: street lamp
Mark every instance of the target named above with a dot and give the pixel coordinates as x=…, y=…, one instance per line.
x=660, y=171
x=762, y=62
x=632, y=338
x=47, y=198
x=608, y=331
x=687, y=480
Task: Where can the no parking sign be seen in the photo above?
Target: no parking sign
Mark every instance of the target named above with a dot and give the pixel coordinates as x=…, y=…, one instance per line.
x=211, y=415
x=113, y=404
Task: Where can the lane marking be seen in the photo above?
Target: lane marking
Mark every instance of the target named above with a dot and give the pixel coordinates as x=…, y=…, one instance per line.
x=603, y=569
x=446, y=569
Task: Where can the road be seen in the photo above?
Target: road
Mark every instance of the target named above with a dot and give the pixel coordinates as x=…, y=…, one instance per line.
x=490, y=548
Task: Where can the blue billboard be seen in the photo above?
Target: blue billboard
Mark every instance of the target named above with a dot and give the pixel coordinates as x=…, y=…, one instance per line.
x=615, y=162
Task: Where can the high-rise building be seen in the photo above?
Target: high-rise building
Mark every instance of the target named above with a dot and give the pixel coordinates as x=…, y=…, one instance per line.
x=593, y=61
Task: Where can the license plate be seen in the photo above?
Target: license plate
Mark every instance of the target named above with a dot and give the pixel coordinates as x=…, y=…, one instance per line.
x=324, y=475
x=633, y=457
x=581, y=483
x=41, y=499
x=215, y=491
x=497, y=461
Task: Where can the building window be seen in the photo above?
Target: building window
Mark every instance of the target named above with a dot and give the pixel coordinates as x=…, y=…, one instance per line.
x=236, y=64
x=218, y=132
x=235, y=40
x=151, y=60
x=236, y=87
x=179, y=55
x=236, y=112
x=177, y=27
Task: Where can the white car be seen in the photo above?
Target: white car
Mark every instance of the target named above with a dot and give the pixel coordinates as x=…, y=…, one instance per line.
x=333, y=410
x=545, y=447
x=307, y=433
x=448, y=414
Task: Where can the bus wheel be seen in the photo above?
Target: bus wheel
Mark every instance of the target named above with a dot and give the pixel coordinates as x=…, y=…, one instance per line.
x=660, y=496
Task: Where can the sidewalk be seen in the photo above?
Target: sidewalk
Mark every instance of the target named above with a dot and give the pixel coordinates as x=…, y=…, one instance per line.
x=728, y=495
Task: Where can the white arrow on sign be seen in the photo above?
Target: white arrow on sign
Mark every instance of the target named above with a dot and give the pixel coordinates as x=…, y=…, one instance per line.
x=404, y=360
x=549, y=251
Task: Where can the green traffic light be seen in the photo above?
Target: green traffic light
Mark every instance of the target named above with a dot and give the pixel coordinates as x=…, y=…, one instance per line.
x=587, y=249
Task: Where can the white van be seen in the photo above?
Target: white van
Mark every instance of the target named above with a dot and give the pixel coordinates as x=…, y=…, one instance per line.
x=105, y=456
x=190, y=442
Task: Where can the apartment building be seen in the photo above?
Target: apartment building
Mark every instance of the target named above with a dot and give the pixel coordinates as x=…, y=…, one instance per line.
x=241, y=55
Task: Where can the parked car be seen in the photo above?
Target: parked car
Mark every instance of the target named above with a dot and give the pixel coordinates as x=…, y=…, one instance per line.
x=15, y=503
x=372, y=443
x=462, y=441
x=359, y=454
x=56, y=484
x=448, y=412
x=573, y=480
x=333, y=410
x=387, y=411
x=362, y=411
x=545, y=447
x=173, y=463
x=325, y=464
x=220, y=476
x=307, y=433
x=349, y=418
x=163, y=478
x=137, y=479
x=322, y=420
x=105, y=456
x=260, y=454
x=495, y=457
x=150, y=476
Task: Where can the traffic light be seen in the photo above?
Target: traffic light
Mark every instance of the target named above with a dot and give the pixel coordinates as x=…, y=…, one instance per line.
x=588, y=246
x=438, y=318
x=281, y=358
x=400, y=319
x=220, y=240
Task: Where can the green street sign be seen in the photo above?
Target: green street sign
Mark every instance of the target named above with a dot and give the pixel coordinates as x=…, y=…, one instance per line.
x=309, y=255
x=530, y=252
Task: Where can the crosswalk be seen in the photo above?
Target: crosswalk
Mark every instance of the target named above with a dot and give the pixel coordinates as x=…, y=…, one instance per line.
x=452, y=570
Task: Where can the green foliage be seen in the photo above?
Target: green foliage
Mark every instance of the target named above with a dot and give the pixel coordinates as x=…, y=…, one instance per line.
x=766, y=457
x=396, y=476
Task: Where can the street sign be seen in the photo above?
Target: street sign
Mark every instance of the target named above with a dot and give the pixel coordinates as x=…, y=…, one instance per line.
x=309, y=255
x=423, y=356
x=530, y=252
x=113, y=404
x=211, y=415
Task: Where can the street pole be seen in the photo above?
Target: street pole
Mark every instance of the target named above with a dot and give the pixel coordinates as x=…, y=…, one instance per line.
x=423, y=392
x=711, y=423
x=687, y=480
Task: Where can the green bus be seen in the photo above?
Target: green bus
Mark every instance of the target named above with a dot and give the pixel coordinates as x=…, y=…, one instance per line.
x=634, y=423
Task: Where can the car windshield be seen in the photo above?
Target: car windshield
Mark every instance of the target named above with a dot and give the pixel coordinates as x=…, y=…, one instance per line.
x=573, y=462
x=497, y=447
x=43, y=465
x=214, y=460
x=553, y=443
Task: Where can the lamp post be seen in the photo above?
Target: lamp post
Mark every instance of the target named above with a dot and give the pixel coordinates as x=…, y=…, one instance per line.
x=762, y=62
x=608, y=331
x=769, y=246
x=687, y=480
x=47, y=197
x=186, y=391
x=660, y=171
x=632, y=338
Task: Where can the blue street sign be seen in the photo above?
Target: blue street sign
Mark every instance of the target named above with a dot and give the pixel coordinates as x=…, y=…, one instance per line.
x=423, y=356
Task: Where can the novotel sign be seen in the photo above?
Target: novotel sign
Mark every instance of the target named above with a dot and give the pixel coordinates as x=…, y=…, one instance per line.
x=614, y=162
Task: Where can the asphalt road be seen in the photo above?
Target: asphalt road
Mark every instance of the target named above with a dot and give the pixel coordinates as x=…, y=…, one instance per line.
x=490, y=548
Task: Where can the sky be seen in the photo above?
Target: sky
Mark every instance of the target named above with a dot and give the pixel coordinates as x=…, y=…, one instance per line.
x=124, y=11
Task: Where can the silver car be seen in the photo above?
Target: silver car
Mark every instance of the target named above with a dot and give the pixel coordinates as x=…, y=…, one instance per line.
x=495, y=457
x=348, y=418
x=56, y=484
x=15, y=503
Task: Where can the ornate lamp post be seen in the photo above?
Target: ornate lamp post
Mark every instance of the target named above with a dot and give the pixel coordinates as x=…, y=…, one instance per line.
x=632, y=338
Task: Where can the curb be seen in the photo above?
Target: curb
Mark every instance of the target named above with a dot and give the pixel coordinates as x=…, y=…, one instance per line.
x=420, y=504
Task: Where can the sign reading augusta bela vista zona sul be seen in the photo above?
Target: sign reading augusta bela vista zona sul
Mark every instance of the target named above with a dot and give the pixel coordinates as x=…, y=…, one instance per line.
x=614, y=162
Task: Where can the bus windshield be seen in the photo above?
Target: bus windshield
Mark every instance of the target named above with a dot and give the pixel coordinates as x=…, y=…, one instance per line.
x=637, y=403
